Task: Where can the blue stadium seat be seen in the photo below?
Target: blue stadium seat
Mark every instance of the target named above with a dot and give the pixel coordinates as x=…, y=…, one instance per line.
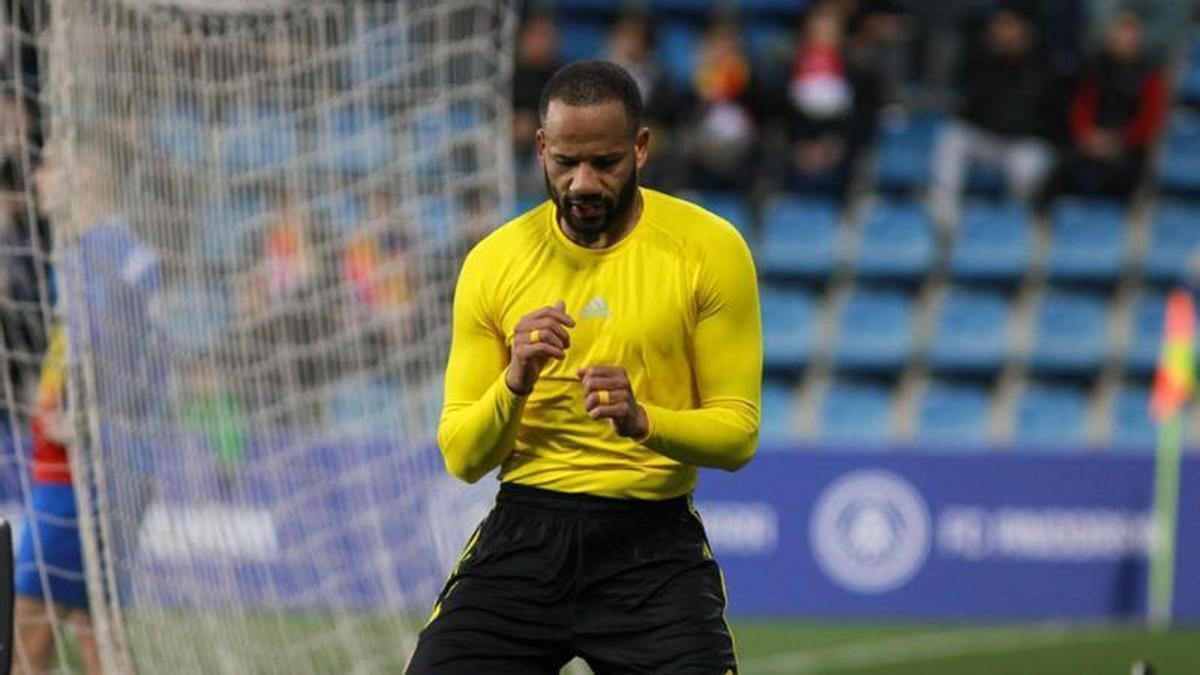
x=467, y=116
x=771, y=44
x=357, y=404
x=1051, y=417
x=1133, y=428
x=897, y=242
x=225, y=226
x=778, y=412
x=1071, y=333
x=1189, y=85
x=180, y=134
x=986, y=180
x=434, y=217
x=994, y=243
x=578, y=40
x=1188, y=88
x=1087, y=240
x=525, y=203
x=972, y=332
x=194, y=316
x=379, y=56
x=340, y=213
x=799, y=237
x=1180, y=169
x=789, y=317
x=697, y=7
x=905, y=148
x=259, y=138
x=1174, y=241
x=731, y=206
x=358, y=139
x=678, y=43
x=855, y=412
x=954, y=415
x=585, y=6
x=875, y=331
x=1145, y=340
x=773, y=7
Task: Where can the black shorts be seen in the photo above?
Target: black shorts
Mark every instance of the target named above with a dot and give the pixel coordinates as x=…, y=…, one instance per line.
x=630, y=586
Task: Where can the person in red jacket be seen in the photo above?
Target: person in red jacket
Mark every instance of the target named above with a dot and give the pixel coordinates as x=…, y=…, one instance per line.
x=1116, y=112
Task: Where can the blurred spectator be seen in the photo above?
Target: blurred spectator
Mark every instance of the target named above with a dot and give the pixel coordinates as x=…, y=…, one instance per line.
x=537, y=59
x=631, y=44
x=1164, y=22
x=1116, y=112
x=1004, y=119
x=937, y=41
x=288, y=258
x=376, y=263
x=211, y=411
x=1062, y=31
x=835, y=93
x=723, y=132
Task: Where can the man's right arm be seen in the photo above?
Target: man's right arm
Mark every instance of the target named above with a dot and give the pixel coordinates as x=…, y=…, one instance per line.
x=481, y=414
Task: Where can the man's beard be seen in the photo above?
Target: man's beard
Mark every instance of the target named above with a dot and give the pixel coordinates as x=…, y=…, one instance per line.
x=611, y=213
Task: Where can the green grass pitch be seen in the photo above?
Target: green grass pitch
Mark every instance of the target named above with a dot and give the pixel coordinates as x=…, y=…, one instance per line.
x=765, y=647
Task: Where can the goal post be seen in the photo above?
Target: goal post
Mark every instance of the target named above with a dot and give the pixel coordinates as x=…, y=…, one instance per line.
x=263, y=206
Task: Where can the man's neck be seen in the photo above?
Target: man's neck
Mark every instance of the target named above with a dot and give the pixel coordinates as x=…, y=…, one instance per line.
x=609, y=237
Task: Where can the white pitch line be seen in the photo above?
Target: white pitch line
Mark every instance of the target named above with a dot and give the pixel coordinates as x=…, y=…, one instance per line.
x=919, y=647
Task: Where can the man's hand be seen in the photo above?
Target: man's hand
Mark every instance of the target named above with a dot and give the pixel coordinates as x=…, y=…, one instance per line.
x=539, y=336
x=607, y=394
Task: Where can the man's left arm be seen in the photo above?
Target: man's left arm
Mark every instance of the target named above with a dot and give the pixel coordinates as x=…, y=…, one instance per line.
x=723, y=431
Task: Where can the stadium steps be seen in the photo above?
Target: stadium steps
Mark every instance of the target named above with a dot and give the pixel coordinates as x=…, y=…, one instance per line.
x=801, y=237
x=855, y=413
x=950, y=414
x=1051, y=416
x=1087, y=241
x=1173, y=242
x=994, y=243
x=789, y=318
x=1145, y=326
x=896, y=242
x=1130, y=426
x=970, y=331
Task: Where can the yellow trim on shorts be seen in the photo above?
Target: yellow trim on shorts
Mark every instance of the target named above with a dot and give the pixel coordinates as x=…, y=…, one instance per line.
x=708, y=555
x=462, y=558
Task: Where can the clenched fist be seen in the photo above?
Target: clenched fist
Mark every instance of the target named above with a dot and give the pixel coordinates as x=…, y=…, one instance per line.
x=607, y=394
x=539, y=336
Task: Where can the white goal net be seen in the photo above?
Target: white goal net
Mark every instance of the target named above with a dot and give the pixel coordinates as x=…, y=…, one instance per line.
x=257, y=210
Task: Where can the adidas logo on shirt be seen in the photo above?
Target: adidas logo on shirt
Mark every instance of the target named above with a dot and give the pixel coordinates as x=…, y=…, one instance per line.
x=596, y=309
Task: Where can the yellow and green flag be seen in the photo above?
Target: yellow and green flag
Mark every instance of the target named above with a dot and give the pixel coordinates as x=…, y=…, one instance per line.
x=1173, y=384
x=1176, y=376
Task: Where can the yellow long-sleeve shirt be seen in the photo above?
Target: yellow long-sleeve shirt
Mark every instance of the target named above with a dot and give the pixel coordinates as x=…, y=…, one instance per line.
x=675, y=303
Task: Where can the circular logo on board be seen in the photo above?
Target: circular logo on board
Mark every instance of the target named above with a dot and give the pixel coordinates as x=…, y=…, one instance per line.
x=870, y=531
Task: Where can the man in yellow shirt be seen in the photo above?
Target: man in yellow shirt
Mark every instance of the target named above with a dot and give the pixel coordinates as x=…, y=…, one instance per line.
x=606, y=345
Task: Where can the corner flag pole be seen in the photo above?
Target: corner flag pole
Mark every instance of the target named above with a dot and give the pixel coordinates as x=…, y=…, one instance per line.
x=1173, y=384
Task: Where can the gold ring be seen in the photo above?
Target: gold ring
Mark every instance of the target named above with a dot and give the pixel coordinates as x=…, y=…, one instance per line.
x=603, y=396
x=534, y=335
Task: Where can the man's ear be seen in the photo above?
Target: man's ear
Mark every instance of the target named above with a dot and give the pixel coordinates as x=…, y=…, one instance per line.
x=641, y=146
x=540, y=141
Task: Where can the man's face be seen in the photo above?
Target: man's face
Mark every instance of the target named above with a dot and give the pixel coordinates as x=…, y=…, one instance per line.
x=591, y=164
x=1125, y=37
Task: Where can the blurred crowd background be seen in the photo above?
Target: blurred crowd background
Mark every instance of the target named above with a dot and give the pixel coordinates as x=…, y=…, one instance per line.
x=965, y=213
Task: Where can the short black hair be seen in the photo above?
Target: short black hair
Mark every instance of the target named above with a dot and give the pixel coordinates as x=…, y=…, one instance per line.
x=591, y=83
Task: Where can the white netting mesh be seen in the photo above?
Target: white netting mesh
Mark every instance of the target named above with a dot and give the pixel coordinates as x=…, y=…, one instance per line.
x=262, y=207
